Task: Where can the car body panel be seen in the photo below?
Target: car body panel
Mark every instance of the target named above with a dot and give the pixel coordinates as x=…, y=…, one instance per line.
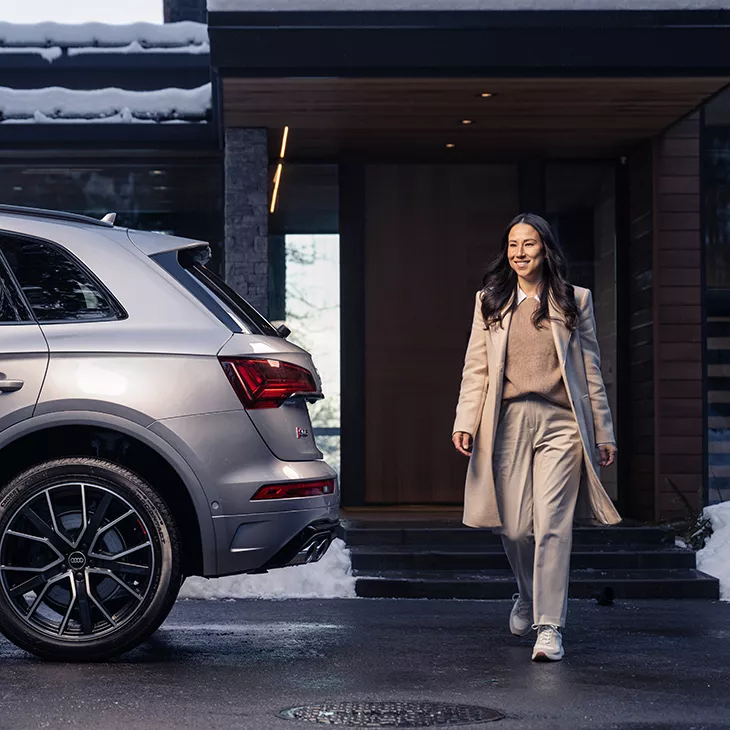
x=23, y=356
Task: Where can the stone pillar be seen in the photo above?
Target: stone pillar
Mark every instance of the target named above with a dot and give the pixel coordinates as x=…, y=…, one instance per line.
x=246, y=211
x=176, y=10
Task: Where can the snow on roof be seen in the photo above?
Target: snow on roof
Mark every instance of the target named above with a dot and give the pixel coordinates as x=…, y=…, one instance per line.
x=294, y=5
x=147, y=35
x=56, y=104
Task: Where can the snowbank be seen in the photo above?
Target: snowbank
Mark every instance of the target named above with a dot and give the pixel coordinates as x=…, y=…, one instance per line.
x=137, y=47
x=331, y=577
x=253, y=5
x=119, y=105
x=185, y=33
x=714, y=558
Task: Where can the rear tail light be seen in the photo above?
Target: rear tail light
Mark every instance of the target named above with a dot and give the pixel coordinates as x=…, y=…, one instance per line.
x=296, y=489
x=266, y=383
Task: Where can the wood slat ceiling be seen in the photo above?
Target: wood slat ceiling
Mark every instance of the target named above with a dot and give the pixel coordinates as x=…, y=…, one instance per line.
x=336, y=118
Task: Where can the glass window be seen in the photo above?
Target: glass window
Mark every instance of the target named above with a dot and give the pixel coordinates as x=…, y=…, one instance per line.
x=312, y=313
x=57, y=287
x=12, y=308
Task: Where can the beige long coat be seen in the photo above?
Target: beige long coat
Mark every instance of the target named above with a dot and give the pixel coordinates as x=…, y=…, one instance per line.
x=477, y=412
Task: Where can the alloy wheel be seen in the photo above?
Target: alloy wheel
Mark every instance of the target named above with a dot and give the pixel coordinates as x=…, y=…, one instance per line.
x=76, y=561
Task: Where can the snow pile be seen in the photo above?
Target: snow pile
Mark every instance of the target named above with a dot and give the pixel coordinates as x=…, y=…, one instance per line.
x=137, y=47
x=185, y=33
x=56, y=104
x=331, y=577
x=293, y=5
x=714, y=558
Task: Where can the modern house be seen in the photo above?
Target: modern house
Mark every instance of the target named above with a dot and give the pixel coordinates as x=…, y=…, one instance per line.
x=414, y=131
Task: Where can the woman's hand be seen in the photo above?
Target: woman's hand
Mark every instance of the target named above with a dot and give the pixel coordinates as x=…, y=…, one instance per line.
x=608, y=454
x=463, y=442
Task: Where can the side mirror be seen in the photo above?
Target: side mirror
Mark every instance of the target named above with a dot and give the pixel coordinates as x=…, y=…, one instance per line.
x=283, y=330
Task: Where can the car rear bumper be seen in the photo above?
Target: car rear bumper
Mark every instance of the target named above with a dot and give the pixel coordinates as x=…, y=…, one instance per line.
x=249, y=543
x=232, y=462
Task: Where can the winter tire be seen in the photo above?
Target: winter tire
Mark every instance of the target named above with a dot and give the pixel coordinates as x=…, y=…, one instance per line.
x=89, y=560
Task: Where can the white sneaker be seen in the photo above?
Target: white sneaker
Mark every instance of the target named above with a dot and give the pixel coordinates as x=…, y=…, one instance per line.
x=520, y=617
x=549, y=644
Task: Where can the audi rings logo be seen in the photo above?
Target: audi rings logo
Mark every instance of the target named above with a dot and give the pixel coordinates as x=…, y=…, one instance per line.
x=76, y=561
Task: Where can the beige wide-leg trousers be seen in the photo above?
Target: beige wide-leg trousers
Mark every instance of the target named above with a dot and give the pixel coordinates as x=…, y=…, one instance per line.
x=537, y=464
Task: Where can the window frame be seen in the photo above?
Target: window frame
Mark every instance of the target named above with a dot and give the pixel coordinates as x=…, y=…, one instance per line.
x=121, y=312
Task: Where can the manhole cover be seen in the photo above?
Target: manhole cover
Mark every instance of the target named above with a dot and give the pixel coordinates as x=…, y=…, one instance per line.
x=391, y=714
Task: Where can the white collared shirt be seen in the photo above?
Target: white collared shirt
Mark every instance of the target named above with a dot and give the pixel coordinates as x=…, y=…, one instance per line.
x=521, y=296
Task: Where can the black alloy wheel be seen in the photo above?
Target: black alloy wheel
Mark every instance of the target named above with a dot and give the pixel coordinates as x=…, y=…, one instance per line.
x=89, y=560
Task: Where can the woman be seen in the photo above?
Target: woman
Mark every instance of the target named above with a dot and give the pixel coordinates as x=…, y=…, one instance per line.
x=534, y=419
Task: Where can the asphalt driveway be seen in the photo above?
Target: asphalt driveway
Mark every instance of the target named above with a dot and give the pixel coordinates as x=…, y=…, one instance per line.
x=652, y=665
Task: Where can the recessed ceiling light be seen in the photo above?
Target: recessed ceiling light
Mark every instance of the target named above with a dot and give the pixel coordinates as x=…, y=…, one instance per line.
x=450, y=146
x=486, y=94
x=467, y=121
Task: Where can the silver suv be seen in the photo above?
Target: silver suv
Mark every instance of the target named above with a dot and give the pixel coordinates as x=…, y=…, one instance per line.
x=153, y=425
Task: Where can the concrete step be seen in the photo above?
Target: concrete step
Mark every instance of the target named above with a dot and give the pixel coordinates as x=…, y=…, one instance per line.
x=368, y=558
x=499, y=584
x=449, y=533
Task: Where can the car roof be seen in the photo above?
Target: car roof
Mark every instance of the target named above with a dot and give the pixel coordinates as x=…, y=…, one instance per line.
x=149, y=242
x=53, y=215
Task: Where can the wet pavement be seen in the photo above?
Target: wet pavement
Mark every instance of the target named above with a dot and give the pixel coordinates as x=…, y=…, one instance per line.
x=636, y=665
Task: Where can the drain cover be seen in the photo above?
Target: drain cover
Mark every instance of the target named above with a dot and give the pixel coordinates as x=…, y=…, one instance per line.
x=391, y=714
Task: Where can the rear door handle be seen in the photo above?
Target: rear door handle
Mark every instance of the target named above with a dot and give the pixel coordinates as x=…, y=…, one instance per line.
x=9, y=386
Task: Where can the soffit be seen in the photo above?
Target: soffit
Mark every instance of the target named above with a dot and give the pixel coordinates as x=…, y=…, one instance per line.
x=402, y=118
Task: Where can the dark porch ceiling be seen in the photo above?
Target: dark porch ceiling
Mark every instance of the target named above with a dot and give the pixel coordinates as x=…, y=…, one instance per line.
x=416, y=118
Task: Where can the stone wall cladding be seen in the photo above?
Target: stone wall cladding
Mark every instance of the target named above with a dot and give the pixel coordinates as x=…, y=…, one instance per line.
x=246, y=214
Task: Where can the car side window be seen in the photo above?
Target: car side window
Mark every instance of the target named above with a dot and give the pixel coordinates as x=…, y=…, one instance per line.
x=56, y=286
x=12, y=308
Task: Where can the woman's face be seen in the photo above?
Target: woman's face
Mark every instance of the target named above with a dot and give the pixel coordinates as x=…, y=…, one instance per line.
x=525, y=252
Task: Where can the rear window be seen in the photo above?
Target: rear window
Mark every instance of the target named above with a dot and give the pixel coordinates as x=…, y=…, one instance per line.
x=188, y=267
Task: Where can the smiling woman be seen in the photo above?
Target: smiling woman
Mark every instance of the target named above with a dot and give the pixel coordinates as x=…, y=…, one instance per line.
x=532, y=417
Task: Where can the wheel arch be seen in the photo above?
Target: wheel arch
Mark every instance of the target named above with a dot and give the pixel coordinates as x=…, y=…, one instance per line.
x=130, y=445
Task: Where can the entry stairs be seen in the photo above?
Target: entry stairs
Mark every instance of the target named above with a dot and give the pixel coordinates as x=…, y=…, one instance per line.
x=444, y=559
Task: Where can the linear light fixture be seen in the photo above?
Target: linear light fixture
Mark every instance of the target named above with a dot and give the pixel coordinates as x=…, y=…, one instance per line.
x=277, y=180
x=284, y=139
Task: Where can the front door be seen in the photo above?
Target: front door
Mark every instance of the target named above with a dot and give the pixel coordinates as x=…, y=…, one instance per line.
x=429, y=231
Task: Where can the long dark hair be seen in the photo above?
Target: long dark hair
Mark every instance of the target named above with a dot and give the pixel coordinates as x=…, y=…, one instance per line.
x=500, y=281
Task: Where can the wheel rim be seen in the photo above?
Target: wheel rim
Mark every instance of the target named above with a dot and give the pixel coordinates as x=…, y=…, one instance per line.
x=76, y=561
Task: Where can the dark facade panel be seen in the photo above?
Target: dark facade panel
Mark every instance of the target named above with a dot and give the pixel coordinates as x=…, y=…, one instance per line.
x=471, y=43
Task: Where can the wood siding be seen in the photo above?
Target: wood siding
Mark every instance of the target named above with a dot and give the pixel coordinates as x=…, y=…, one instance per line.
x=677, y=347
x=429, y=231
x=639, y=448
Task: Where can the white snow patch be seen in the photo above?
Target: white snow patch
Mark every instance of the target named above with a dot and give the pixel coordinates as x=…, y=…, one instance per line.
x=50, y=54
x=305, y=5
x=185, y=33
x=137, y=47
x=679, y=542
x=714, y=558
x=111, y=105
x=331, y=577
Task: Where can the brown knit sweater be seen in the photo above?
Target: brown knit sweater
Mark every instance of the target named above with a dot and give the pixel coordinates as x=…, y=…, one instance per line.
x=532, y=362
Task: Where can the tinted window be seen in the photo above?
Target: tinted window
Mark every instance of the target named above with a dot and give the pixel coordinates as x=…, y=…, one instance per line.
x=56, y=286
x=12, y=308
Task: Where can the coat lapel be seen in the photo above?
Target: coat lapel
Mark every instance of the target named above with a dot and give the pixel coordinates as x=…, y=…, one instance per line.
x=561, y=334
